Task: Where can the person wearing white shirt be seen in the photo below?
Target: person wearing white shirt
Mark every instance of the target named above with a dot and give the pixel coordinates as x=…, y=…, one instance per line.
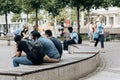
x=91, y=31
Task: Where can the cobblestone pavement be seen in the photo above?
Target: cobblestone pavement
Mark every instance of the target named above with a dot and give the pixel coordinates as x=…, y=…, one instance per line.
x=6, y=54
x=110, y=68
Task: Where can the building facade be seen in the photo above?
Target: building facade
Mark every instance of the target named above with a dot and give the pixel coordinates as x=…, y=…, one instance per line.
x=111, y=17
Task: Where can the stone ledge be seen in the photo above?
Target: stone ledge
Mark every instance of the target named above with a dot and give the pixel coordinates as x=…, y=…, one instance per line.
x=71, y=67
x=82, y=49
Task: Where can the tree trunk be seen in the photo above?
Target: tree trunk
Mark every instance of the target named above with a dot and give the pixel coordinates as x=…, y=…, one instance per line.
x=78, y=24
x=88, y=16
x=6, y=22
x=55, y=24
x=36, y=22
x=27, y=19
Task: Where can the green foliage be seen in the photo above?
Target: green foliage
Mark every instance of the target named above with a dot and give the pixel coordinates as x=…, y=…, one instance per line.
x=32, y=18
x=62, y=16
x=36, y=3
x=73, y=15
x=16, y=18
x=89, y=4
x=102, y=4
x=75, y=3
x=115, y=3
x=54, y=6
x=26, y=7
x=7, y=6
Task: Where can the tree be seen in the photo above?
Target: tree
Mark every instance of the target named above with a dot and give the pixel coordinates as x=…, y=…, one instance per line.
x=115, y=2
x=62, y=16
x=7, y=6
x=32, y=17
x=90, y=4
x=26, y=8
x=73, y=15
x=16, y=18
x=54, y=7
x=36, y=5
x=87, y=5
x=77, y=4
x=82, y=5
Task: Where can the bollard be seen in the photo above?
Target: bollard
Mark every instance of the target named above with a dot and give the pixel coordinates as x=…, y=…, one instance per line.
x=70, y=49
x=8, y=42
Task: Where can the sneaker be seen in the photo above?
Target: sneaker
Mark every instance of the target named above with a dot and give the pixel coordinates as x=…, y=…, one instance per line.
x=65, y=51
x=102, y=51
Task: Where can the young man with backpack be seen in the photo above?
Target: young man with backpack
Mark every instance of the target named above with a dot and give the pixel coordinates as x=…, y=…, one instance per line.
x=74, y=39
x=33, y=57
x=56, y=42
x=51, y=52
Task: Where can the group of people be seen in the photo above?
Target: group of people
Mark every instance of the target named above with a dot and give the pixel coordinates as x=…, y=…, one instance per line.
x=97, y=29
x=51, y=47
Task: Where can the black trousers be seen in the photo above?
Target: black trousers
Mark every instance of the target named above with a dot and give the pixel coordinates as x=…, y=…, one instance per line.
x=101, y=39
x=68, y=42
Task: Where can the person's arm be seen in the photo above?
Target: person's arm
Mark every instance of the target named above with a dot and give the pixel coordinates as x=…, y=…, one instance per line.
x=25, y=35
x=50, y=60
x=74, y=35
x=17, y=54
x=18, y=50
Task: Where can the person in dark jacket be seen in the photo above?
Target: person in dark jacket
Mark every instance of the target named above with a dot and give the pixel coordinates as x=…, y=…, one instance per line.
x=56, y=42
x=21, y=45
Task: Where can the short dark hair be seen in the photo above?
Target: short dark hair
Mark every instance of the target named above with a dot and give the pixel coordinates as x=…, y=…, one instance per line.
x=35, y=34
x=70, y=28
x=48, y=32
x=17, y=38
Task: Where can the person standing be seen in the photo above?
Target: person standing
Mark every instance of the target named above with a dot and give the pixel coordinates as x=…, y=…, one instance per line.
x=100, y=31
x=91, y=31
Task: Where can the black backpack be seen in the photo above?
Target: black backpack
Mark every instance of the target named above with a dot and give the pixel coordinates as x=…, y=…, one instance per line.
x=79, y=39
x=36, y=51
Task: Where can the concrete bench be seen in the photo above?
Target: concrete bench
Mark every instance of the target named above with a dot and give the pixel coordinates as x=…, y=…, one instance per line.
x=71, y=67
x=8, y=39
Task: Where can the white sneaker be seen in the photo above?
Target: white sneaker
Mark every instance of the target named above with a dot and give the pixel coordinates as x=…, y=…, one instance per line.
x=102, y=50
x=65, y=51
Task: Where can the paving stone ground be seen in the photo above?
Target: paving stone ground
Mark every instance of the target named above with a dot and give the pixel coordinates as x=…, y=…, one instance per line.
x=110, y=70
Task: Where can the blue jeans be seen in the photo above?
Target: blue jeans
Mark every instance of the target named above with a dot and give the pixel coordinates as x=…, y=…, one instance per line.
x=21, y=60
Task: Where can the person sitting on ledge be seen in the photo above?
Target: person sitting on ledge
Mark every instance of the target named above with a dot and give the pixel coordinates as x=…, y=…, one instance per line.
x=56, y=42
x=51, y=52
x=73, y=38
x=29, y=58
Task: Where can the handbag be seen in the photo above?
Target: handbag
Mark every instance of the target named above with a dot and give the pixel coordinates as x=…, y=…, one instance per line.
x=96, y=35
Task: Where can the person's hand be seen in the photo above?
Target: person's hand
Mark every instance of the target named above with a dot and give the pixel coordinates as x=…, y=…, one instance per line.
x=14, y=56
